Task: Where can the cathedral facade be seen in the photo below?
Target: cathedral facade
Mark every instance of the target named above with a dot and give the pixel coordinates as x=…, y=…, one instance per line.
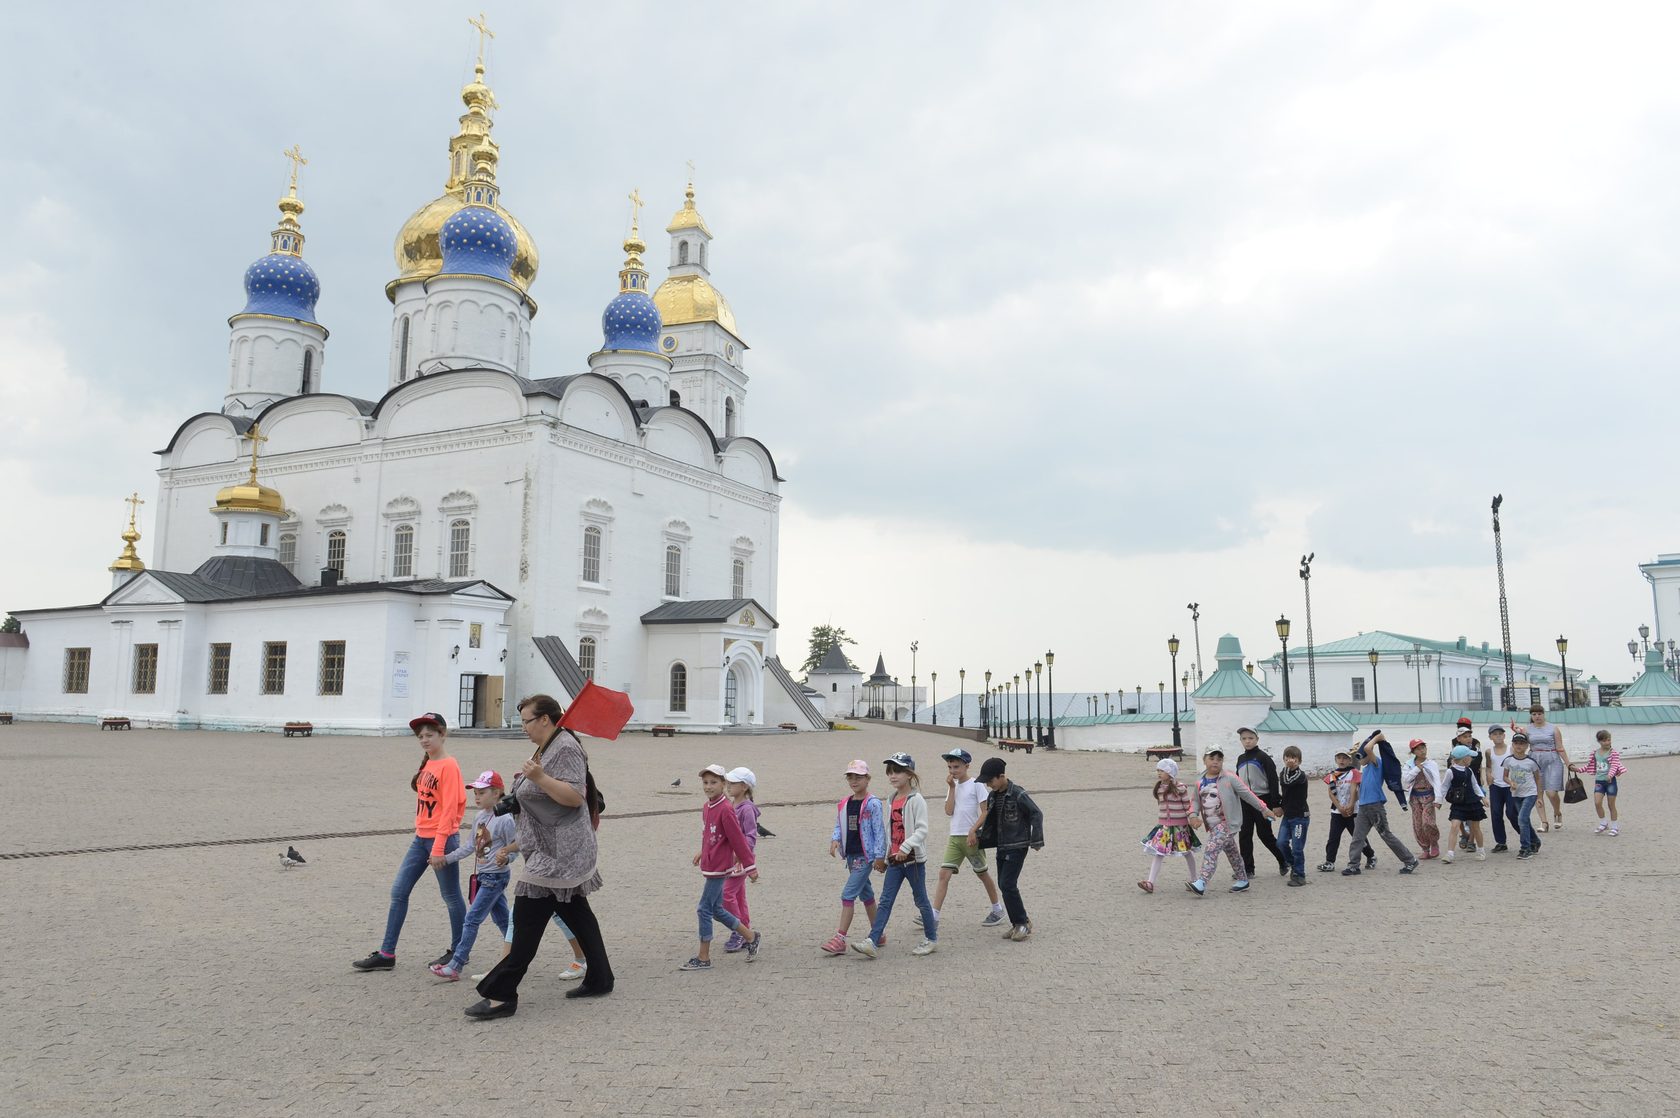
x=487, y=528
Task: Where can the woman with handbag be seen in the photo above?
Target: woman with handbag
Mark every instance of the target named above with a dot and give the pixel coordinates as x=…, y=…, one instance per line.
x=1464, y=797
x=558, y=807
x=1545, y=745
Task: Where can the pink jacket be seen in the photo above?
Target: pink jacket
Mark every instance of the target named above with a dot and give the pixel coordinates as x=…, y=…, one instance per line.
x=721, y=841
x=1614, y=764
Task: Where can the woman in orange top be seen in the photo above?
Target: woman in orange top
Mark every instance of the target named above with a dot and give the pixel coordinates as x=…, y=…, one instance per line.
x=441, y=800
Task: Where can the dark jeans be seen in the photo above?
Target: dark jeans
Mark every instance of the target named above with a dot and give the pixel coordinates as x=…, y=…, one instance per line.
x=899, y=873
x=1009, y=866
x=1340, y=824
x=530, y=919
x=1502, y=806
x=1293, y=834
x=1257, y=822
x=1525, y=824
x=413, y=868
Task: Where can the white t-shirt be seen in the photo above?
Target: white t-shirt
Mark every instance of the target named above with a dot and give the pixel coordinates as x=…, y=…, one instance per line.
x=971, y=794
x=1498, y=764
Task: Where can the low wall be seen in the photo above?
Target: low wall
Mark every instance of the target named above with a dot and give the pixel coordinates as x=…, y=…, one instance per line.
x=965, y=733
x=1121, y=737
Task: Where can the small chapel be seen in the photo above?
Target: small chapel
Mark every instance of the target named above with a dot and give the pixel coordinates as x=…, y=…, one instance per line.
x=491, y=526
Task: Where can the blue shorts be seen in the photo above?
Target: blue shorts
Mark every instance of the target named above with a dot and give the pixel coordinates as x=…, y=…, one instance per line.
x=1605, y=787
x=857, y=887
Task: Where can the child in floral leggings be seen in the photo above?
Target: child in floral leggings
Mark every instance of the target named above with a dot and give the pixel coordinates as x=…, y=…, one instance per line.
x=1219, y=797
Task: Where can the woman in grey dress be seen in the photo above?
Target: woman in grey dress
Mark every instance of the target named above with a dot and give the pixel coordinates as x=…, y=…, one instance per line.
x=1545, y=745
x=557, y=814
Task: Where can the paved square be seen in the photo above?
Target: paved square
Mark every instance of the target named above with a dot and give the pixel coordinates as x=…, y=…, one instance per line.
x=204, y=980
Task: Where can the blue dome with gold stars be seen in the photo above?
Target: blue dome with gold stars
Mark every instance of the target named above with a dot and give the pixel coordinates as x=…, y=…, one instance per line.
x=478, y=241
x=631, y=321
x=282, y=284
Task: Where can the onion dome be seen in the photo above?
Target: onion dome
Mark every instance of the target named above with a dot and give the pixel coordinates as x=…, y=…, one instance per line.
x=688, y=217
x=477, y=240
x=631, y=320
x=129, y=560
x=419, y=245
x=251, y=495
x=282, y=283
x=693, y=299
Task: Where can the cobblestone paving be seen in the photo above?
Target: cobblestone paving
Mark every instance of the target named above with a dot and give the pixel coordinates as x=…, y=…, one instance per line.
x=207, y=981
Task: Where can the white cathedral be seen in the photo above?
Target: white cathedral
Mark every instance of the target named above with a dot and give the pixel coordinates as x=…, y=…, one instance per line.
x=478, y=532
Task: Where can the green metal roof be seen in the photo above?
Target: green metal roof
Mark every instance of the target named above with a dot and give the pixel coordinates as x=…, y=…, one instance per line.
x=1307, y=720
x=1229, y=681
x=1126, y=719
x=1397, y=644
x=1577, y=716
x=1655, y=683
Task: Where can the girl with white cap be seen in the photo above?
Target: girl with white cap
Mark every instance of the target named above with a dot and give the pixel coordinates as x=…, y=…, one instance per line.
x=738, y=785
x=1173, y=834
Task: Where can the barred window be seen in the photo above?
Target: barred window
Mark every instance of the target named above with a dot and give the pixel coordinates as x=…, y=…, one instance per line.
x=337, y=541
x=145, y=669
x=76, y=664
x=221, y=657
x=586, y=657
x=262, y=539
x=402, y=552
x=738, y=581
x=332, y=668
x=592, y=554
x=274, y=668
x=460, y=543
x=673, y=571
x=288, y=551
x=679, y=687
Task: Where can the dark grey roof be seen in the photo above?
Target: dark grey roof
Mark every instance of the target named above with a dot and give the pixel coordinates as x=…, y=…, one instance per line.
x=880, y=675
x=247, y=574
x=195, y=588
x=711, y=609
x=560, y=659
x=834, y=660
x=773, y=665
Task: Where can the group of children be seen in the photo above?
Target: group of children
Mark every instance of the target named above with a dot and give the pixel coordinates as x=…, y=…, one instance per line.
x=1221, y=803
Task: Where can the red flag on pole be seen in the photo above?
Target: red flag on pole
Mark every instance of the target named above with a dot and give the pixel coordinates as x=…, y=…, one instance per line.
x=599, y=712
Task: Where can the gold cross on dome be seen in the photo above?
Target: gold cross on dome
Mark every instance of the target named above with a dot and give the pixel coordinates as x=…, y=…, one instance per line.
x=635, y=206
x=133, y=501
x=484, y=32
x=257, y=438
x=691, y=172
x=296, y=156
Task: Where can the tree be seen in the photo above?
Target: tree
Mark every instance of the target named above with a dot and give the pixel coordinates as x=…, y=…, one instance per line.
x=10, y=625
x=823, y=638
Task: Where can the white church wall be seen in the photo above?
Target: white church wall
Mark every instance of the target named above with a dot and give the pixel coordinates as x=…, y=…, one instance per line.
x=207, y=441
x=598, y=409
x=674, y=435
x=446, y=404
x=307, y=424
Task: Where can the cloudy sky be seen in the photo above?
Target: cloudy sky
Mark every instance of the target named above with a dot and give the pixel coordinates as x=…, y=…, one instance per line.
x=1061, y=316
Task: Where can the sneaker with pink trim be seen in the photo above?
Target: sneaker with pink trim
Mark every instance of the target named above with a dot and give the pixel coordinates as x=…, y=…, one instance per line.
x=445, y=972
x=574, y=971
x=836, y=945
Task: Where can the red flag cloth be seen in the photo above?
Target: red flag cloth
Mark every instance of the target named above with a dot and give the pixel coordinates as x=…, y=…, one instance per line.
x=599, y=712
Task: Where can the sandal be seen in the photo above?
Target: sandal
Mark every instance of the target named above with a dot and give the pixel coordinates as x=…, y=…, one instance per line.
x=1544, y=826
x=1147, y=886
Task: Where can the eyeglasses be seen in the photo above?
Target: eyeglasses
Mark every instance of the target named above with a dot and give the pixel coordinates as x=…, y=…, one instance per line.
x=528, y=721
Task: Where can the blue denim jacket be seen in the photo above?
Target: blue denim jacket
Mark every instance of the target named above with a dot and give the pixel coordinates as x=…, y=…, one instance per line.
x=872, y=828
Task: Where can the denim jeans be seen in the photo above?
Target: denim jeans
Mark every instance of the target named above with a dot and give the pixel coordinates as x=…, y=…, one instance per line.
x=897, y=874
x=1502, y=806
x=1009, y=866
x=1292, y=836
x=858, y=887
x=1525, y=826
x=413, y=868
x=711, y=909
x=491, y=901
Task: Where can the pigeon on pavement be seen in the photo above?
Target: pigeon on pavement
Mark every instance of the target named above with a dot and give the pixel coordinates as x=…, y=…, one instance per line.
x=765, y=832
x=677, y=783
x=290, y=858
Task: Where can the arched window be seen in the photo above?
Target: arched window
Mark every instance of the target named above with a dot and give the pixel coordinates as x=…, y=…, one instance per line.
x=586, y=657
x=460, y=543
x=592, y=554
x=673, y=571
x=402, y=352
x=262, y=536
x=679, y=687
x=337, y=542
x=676, y=399
x=702, y=254
x=288, y=551
x=729, y=417
x=308, y=367
x=224, y=531
x=402, y=551
x=682, y=253
x=738, y=579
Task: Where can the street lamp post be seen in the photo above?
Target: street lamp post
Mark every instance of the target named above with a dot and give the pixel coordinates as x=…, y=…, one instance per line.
x=933, y=705
x=1038, y=701
x=914, y=645
x=1140, y=698
x=991, y=704
x=1312, y=666
x=1172, y=649
x=1282, y=625
x=962, y=695
x=1050, y=670
x=1376, y=695
x=1161, y=698
x=1195, y=609
x=1019, y=710
x=1418, y=660
x=1563, y=655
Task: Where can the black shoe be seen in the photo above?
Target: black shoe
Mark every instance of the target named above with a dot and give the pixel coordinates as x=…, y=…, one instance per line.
x=482, y=1010
x=1500, y=848
x=444, y=958
x=1409, y=867
x=1283, y=869
x=588, y=992
x=1370, y=863
x=1351, y=871
x=1525, y=852
x=375, y=961
x=1296, y=882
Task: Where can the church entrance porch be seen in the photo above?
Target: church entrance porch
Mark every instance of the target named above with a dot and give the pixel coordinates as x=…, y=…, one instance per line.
x=480, y=702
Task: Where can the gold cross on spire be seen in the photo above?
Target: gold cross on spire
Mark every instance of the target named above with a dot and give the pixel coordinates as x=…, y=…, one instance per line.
x=691, y=174
x=296, y=156
x=133, y=502
x=484, y=32
x=257, y=439
x=635, y=206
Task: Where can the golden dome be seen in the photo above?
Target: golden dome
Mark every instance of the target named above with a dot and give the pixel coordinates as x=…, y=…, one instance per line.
x=129, y=560
x=250, y=496
x=692, y=299
x=688, y=217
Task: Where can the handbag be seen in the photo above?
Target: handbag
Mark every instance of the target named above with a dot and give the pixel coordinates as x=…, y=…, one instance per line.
x=1573, y=790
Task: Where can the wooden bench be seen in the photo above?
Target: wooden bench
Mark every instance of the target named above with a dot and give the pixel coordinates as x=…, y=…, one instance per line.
x=1162, y=752
x=298, y=729
x=5, y=718
x=114, y=724
x=1012, y=744
x=794, y=726
x=666, y=731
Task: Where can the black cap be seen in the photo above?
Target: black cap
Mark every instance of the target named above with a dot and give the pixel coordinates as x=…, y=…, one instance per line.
x=429, y=718
x=991, y=769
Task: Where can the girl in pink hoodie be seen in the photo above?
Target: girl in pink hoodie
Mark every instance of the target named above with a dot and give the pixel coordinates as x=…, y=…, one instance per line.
x=721, y=846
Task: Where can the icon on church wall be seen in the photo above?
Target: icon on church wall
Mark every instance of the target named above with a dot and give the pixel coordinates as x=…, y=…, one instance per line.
x=475, y=635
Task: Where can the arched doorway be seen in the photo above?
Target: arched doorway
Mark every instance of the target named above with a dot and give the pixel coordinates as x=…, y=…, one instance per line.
x=734, y=689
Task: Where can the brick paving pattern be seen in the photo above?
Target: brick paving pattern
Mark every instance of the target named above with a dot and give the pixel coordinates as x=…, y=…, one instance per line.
x=208, y=981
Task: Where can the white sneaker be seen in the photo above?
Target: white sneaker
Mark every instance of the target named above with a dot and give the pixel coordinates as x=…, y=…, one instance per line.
x=574, y=972
x=1447, y=857
x=1481, y=855
x=926, y=947
x=866, y=948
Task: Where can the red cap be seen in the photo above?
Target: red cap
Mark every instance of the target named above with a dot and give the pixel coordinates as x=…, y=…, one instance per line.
x=1415, y=743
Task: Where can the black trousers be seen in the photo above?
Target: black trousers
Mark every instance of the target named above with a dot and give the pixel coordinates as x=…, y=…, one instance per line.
x=1010, y=863
x=531, y=917
x=1257, y=822
x=1341, y=824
